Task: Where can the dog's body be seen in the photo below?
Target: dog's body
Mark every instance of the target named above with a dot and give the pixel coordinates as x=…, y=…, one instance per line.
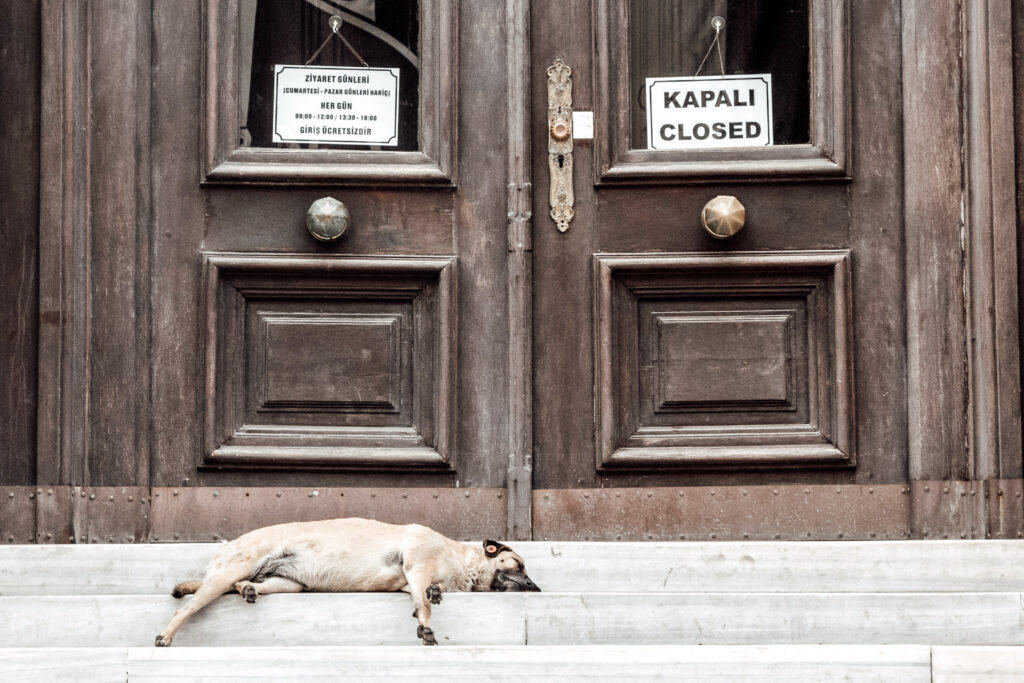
x=352, y=555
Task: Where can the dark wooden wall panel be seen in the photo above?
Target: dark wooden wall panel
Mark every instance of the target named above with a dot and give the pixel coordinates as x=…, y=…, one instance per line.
x=19, y=186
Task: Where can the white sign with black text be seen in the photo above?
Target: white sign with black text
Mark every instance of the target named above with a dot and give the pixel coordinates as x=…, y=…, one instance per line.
x=699, y=112
x=336, y=105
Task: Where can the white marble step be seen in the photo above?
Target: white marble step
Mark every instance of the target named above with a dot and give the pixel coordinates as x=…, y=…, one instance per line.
x=905, y=663
x=876, y=566
x=373, y=619
x=990, y=664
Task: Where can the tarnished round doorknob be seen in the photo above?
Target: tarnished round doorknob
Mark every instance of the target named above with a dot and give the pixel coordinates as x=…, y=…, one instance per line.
x=723, y=216
x=560, y=130
x=327, y=219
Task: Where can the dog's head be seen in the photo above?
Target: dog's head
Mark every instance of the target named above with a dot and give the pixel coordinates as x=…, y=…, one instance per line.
x=507, y=569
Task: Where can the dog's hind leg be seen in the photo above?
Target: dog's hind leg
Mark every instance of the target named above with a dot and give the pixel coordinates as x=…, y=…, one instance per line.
x=275, y=584
x=420, y=580
x=212, y=587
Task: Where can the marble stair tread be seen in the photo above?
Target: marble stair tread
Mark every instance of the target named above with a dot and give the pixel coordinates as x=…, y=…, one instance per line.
x=714, y=567
x=373, y=619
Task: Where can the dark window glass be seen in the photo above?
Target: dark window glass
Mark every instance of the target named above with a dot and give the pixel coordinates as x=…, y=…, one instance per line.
x=671, y=38
x=385, y=33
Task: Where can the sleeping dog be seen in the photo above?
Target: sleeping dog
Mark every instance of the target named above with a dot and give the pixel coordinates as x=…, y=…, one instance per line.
x=349, y=555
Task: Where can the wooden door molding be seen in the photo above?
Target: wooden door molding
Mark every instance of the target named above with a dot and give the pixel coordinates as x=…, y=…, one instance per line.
x=826, y=157
x=435, y=162
x=738, y=360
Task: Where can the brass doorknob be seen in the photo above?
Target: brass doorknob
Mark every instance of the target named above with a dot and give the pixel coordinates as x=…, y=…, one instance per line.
x=723, y=216
x=327, y=219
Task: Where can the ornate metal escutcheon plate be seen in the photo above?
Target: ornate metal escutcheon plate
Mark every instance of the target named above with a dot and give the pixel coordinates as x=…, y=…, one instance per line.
x=560, y=143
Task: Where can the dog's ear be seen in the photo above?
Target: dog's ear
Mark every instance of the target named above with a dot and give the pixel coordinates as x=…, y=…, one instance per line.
x=492, y=548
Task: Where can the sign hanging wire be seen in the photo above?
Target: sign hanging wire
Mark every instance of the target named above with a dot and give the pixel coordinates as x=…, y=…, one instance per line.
x=335, y=23
x=717, y=23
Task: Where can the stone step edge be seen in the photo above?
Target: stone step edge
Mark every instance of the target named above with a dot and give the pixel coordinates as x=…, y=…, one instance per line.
x=803, y=662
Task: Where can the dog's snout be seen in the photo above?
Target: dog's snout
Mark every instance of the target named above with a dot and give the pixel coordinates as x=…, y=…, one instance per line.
x=513, y=581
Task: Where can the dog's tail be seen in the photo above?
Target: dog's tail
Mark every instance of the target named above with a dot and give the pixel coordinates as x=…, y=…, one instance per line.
x=186, y=588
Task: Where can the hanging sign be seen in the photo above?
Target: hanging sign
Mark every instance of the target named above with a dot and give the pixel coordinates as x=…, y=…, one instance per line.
x=336, y=105
x=698, y=112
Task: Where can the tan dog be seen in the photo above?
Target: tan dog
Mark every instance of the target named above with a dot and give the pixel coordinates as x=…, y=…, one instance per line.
x=352, y=555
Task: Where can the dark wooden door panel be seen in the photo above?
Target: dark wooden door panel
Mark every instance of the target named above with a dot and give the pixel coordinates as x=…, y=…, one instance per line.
x=377, y=360
x=664, y=357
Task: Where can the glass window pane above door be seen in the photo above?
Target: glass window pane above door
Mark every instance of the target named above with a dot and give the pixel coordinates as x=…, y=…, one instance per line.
x=671, y=38
x=383, y=33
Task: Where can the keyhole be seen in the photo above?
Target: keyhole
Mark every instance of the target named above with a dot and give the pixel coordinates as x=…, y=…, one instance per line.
x=561, y=160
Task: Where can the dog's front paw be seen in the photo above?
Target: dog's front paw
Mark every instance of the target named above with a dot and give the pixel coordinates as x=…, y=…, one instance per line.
x=426, y=635
x=434, y=594
x=161, y=641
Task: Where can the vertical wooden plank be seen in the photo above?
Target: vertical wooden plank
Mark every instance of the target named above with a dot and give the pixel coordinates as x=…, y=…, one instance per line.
x=992, y=241
x=118, y=364
x=876, y=196
x=179, y=222
x=483, y=334
x=933, y=221
x=63, y=236
x=562, y=262
x=19, y=187
x=520, y=277
x=1017, y=114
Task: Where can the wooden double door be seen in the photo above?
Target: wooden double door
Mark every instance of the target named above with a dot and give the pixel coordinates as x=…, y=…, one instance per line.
x=460, y=357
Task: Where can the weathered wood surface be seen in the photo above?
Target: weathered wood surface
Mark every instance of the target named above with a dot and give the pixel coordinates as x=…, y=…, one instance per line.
x=991, y=236
x=19, y=267
x=933, y=183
